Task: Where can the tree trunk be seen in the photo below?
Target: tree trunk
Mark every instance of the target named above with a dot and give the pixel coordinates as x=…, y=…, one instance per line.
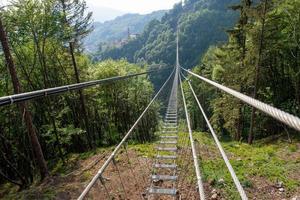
x=257, y=71
x=81, y=97
x=246, y=4
x=240, y=126
x=60, y=152
x=25, y=114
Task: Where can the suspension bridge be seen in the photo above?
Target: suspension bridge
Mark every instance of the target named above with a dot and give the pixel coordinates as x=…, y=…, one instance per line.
x=165, y=175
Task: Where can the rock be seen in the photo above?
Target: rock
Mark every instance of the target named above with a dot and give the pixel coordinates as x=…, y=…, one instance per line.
x=158, y=182
x=144, y=195
x=279, y=184
x=281, y=189
x=221, y=181
x=214, y=196
x=296, y=198
x=214, y=191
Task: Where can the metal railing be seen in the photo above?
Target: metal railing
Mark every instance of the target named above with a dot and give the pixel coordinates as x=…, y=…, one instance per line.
x=219, y=146
x=118, y=147
x=280, y=115
x=62, y=89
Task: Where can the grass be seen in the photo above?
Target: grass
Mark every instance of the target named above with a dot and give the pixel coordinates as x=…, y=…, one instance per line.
x=270, y=162
x=253, y=164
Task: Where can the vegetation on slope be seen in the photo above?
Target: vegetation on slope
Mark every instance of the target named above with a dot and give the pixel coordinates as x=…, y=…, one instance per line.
x=201, y=23
x=114, y=31
x=261, y=59
x=262, y=168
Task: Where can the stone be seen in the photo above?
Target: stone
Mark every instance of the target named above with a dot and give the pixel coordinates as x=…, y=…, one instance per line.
x=221, y=181
x=281, y=189
x=214, y=196
x=214, y=191
x=279, y=184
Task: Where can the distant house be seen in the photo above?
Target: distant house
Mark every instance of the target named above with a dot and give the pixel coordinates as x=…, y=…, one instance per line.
x=133, y=36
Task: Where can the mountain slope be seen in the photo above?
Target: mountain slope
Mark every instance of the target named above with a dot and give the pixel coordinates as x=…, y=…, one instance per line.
x=117, y=29
x=202, y=23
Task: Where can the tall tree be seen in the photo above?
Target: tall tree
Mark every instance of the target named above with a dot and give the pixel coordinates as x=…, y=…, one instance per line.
x=77, y=25
x=24, y=111
x=257, y=68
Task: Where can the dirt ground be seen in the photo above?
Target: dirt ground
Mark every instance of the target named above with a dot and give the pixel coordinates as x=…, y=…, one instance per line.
x=130, y=180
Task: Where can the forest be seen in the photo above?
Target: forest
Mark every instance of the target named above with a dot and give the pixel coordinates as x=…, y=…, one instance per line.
x=250, y=46
x=45, y=41
x=202, y=23
x=261, y=59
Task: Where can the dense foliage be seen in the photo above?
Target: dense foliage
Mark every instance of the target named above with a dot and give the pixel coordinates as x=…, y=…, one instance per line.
x=261, y=60
x=201, y=24
x=44, y=38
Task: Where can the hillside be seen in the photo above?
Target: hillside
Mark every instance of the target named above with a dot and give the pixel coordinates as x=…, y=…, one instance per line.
x=275, y=175
x=201, y=22
x=117, y=29
x=73, y=127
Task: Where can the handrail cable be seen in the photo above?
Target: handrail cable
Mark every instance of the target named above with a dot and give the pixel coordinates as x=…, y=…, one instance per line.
x=114, y=153
x=280, y=115
x=194, y=153
x=225, y=158
x=6, y=100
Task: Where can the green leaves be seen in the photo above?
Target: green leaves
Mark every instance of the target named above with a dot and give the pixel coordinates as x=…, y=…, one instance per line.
x=201, y=24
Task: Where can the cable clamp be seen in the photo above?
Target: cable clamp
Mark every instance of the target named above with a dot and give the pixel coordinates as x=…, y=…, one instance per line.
x=11, y=100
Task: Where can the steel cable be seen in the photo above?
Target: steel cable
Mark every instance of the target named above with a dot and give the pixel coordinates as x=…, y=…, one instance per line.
x=114, y=153
x=224, y=156
x=194, y=153
x=280, y=115
x=62, y=89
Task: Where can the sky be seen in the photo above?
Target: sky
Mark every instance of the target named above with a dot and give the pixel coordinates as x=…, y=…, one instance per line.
x=104, y=10
x=134, y=6
x=129, y=6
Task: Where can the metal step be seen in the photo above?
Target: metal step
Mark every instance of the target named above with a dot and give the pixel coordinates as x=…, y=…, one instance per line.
x=174, y=149
x=166, y=127
x=170, y=120
x=165, y=166
x=173, y=131
x=168, y=142
x=169, y=137
x=169, y=132
x=163, y=177
x=170, y=124
x=166, y=157
x=162, y=191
